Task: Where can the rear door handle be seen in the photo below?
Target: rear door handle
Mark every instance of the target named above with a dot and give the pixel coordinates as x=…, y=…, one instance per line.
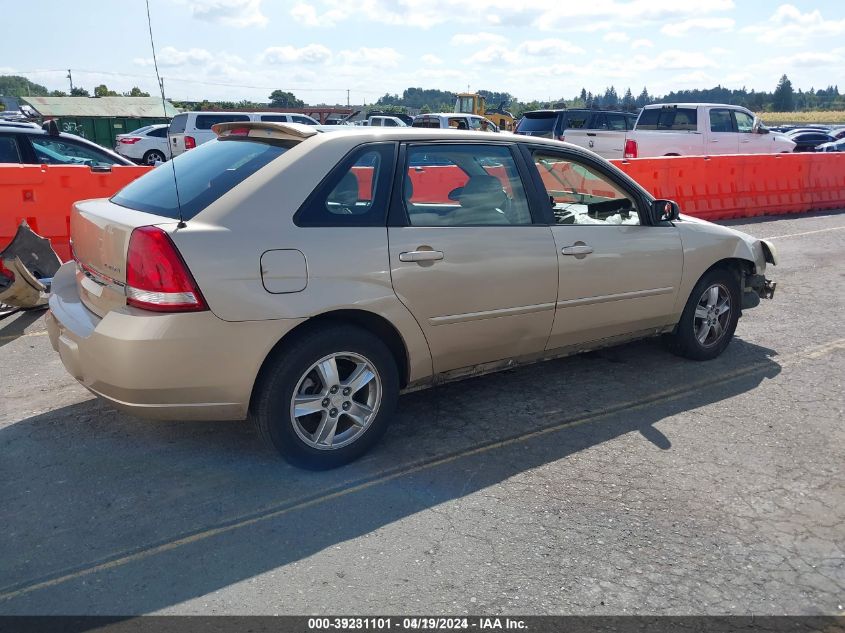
x=580, y=249
x=420, y=256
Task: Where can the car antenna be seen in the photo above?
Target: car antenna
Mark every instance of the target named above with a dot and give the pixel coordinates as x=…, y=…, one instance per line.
x=181, y=224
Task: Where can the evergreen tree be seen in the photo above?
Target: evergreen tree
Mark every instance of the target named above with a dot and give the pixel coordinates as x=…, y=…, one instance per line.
x=628, y=100
x=783, y=99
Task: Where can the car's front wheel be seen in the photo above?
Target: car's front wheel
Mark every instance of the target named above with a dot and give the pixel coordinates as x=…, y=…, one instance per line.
x=709, y=319
x=326, y=397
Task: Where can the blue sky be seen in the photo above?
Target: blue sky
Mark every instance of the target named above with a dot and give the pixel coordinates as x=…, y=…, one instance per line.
x=242, y=49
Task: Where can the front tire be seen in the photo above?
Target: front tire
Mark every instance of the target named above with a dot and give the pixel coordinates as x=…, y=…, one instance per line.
x=327, y=397
x=710, y=317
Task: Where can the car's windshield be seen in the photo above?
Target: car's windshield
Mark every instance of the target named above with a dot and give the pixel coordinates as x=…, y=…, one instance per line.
x=203, y=175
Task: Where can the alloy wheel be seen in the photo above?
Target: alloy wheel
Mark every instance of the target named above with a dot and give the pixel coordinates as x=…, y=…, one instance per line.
x=336, y=400
x=712, y=315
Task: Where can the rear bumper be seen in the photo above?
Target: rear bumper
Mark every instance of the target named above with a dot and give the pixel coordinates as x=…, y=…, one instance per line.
x=191, y=366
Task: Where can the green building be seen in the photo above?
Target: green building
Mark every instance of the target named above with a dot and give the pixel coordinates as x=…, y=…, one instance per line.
x=101, y=119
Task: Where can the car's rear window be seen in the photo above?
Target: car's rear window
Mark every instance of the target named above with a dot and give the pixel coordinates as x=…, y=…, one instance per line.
x=205, y=121
x=177, y=125
x=203, y=175
x=668, y=119
x=537, y=122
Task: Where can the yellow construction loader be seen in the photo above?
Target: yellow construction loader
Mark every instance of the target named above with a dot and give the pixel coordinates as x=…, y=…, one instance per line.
x=474, y=103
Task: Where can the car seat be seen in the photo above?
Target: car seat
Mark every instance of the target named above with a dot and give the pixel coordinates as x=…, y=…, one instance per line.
x=483, y=201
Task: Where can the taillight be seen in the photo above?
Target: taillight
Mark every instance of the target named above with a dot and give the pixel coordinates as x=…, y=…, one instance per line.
x=157, y=278
x=561, y=137
x=239, y=131
x=190, y=142
x=130, y=140
x=630, y=149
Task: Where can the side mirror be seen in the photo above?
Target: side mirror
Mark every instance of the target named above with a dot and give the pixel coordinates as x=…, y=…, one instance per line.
x=759, y=128
x=664, y=211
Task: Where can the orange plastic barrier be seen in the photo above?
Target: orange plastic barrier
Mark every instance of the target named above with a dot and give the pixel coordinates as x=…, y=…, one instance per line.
x=43, y=194
x=709, y=187
x=744, y=185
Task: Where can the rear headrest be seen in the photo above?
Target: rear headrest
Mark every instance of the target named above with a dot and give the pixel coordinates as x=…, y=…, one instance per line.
x=482, y=190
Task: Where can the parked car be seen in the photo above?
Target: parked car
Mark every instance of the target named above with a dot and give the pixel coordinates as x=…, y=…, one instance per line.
x=602, y=131
x=147, y=145
x=696, y=129
x=809, y=141
x=385, y=121
x=450, y=120
x=304, y=279
x=30, y=144
x=833, y=146
x=189, y=129
x=837, y=132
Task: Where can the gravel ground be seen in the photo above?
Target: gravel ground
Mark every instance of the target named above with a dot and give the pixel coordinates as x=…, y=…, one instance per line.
x=625, y=481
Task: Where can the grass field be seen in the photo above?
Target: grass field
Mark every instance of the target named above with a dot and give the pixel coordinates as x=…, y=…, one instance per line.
x=818, y=116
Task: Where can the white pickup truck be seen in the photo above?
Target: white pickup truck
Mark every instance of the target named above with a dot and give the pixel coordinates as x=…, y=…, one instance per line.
x=701, y=129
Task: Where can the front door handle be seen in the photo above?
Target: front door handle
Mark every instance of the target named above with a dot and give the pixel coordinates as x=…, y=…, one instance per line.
x=420, y=256
x=577, y=249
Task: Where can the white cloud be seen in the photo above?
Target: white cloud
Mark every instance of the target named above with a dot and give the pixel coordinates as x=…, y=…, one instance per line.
x=431, y=60
x=471, y=39
x=548, y=47
x=616, y=36
x=500, y=54
x=590, y=16
x=307, y=14
x=808, y=60
x=372, y=57
x=237, y=13
x=642, y=43
x=681, y=60
x=696, y=25
x=310, y=54
x=788, y=26
x=170, y=56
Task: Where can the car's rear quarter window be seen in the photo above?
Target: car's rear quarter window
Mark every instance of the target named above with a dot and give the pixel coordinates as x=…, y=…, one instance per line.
x=203, y=175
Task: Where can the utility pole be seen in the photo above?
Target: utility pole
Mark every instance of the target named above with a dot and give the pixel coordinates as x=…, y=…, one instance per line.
x=70, y=79
x=347, y=97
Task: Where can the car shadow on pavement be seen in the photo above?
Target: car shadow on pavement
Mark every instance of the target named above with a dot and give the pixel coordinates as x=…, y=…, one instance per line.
x=15, y=326
x=109, y=514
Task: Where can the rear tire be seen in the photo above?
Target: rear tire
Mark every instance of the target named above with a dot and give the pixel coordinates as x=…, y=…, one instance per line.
x=327, y=397
x=152, y=157
x=710, y=317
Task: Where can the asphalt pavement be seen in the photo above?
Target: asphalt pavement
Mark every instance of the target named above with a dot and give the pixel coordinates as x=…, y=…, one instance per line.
x=625, y=481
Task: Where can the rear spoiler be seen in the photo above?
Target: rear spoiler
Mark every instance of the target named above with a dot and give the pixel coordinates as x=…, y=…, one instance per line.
x=264, y=129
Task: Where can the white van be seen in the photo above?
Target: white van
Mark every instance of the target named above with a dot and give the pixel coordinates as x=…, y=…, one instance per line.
x=189, y=129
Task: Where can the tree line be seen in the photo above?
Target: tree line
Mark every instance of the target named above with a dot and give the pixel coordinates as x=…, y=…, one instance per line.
x=784, y=98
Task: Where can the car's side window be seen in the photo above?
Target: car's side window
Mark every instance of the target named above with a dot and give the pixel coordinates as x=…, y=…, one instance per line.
x=744, y=122
x=720, y=120
x=158, y=133
x=9, y=150
x=60, y=151
x=355, y=193
x=581, y=195
x=463, y=185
